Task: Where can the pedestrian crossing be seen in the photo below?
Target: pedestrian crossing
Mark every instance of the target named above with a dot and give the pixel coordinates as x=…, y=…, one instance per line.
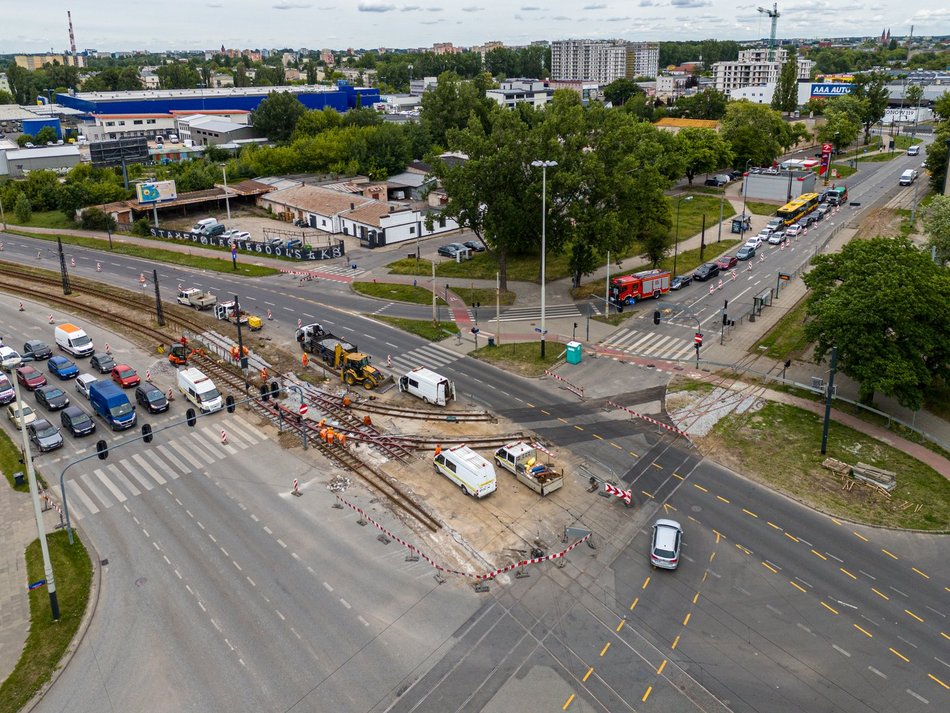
x=343, y=269
x=431, y=355
x=115, y=483
x=533, y=314
x=659, y=346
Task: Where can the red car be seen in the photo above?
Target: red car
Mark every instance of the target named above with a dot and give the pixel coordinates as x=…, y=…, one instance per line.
x=726, y=262
x=30, y=378
x=125, y=376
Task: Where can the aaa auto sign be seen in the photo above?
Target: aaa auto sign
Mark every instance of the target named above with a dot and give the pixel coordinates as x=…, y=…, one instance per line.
x=829, y=91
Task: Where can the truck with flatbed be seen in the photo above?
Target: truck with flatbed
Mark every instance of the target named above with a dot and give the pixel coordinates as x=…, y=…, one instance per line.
x=228, y=312
x=193, y=297
x=524, y=461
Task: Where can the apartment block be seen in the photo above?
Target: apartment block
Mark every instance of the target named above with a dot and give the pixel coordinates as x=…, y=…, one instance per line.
x=753, y=69
x=588, y=60
x=643, y=59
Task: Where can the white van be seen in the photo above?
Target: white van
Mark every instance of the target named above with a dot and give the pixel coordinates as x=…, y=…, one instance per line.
x=73, y=340
x=199, y=389
x=204, y=224
x=908, y=177
x=914, y=150
x=464, y=467
x=432, y=388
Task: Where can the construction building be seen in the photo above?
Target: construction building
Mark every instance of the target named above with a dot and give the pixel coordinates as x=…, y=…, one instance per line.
x=753, y=69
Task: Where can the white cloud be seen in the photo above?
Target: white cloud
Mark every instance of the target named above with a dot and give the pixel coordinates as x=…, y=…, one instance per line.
x=600, y=6
x=375, y=7
x=682, y=4
x=291, y=5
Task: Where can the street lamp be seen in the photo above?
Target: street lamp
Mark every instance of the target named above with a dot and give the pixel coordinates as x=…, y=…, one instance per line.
x=11, y=364
x=2, y=216
x=676, y=239
x=745, y=195
x=544, y=165
x=227, y=203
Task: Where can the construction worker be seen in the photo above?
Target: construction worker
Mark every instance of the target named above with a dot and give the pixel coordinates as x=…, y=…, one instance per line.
x=330, y=436
x=438, y=448
x=367, y=421
x=304, y=359
x=263, y=373
x=323, y=434
x=342, y=437
x=346, y=401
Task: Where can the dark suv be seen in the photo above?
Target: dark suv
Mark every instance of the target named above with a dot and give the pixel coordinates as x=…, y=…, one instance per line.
x=37, y=349
x=706, y=271
x=151, y=397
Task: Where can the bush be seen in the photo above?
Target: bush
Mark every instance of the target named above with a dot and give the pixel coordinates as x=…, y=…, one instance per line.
x=22, y=209
x=96, y=219
x=141, y=227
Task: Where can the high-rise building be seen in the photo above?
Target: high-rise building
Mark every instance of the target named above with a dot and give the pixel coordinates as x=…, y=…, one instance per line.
x=643, y=59
x=753, y=69
x=601, y=61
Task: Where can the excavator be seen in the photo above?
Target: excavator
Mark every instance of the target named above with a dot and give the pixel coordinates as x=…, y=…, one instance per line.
x=178, y=354
x=355, y=368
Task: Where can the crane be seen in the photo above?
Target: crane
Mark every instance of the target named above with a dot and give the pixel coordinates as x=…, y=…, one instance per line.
x=774, y=14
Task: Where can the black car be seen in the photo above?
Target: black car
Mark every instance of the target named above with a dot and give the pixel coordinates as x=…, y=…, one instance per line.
x=735, y=175
x=102, y=362
x=52, y=398
x=474, y=246
x=151, y=397
x=706, y=271
x=44, y=435
x=451, y=249
x=37, y=349
x=719, y=180
x=77, y=421
x=680, y=281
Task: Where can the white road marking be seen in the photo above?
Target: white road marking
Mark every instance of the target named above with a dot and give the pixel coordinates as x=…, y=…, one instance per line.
x=840, y=650
x=874, y=670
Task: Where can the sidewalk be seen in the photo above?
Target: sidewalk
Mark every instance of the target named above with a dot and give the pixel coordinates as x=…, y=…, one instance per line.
x=18, y=529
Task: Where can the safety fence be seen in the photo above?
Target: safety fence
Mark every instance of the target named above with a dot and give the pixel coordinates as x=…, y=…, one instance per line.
x=573, y=388
x=659, y=424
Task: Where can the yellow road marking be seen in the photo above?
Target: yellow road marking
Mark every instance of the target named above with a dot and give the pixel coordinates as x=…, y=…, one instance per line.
x=718, y=535
x=799, y=587
x=898, y=654
x=880, y=594
x=744, y=549
x=705, y=574
x=568, y=702
x=695, y=597
x=700, y=487
x=604, y=650
x=792, y=537
x=620, y=625
x=829, y=608
x=863, y=631
x=562, y=420
x=546, y=413
x=647, y=694
x=945, y=635
x=599, y=438
x=773, y=525
x=719, y=497
x=686, y=620
x=859, y=535
x=914, y=615
x=675, y=641
x=645, y=583
x=587, y=675
x=531, y=405
x=616, y=446
x=656, y=465
x=649, y=495
x=770, y=568
x=847, y=572
x=925, y=576
x=635, y=602
x=815, y=552
x=677, y=475
x=635, y=455
x=930, y=675
x=836, y=522
x=660, y=669
x=889, y=554
x=712, y=556
x=579, y=428
x=749, y=512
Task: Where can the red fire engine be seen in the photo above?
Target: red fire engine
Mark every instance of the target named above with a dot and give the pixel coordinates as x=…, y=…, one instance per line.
x=627, y=289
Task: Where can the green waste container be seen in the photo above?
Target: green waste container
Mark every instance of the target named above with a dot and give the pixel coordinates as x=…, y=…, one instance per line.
x=573, y=352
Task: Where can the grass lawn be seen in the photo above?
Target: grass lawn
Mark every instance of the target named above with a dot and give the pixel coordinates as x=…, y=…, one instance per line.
x=877, y=157
x=522, y=358
x=158, y=255
x=10, y=460
x=485, y=296
x=760, y=208
x=396, y=292
x=844, y=170
x=691, y=214
x=747, y=443
x=48, y=640
x=786, y=340
x=43, y=219
x=420, y=327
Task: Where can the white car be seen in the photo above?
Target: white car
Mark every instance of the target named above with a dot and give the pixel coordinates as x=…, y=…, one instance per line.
x=20, y=414
x=754, y=242
x=9, y=358
x=794, y=230
x=82, y=383
x=777, y=238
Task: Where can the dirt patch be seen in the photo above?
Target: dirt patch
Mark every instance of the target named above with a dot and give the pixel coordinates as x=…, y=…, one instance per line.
x=878, y=222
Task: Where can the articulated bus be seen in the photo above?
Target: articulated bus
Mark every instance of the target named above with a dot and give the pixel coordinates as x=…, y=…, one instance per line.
x=796, y=209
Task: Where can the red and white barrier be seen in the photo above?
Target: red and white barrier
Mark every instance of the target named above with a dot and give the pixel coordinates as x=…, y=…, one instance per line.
x=224, y=437
x=749, y=266
x=625, y=495
x=51, y=318
x=98, y=267
x=108, y=350
x=712, y=289
x=719, y=286
x=389, y=361
x=72, y=262
x=480, y=577
x=269, y=315
x=141, y=278
x=169, y=395
x=148, y=375
x=21, y=307
x=671, y=429
x=578, y=390
x=299, y=323
x=734, y=275
x=296, y=490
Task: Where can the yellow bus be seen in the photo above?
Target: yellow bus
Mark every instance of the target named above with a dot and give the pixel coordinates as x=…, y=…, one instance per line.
x=798, y=208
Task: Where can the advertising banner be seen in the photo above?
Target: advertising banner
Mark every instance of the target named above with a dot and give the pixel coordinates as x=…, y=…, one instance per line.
x=302, y=253
x=156, y=192
x=826, y=151
x=829, y=91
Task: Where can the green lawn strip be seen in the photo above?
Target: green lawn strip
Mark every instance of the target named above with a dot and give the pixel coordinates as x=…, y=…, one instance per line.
x=691, y=214
x=48, y=640
x=420, y=327
x=682, y=383
x=44, y=219
x=786, y=340
x=10, y=460
x=485, y=296
x=760, y=208
x=522, y=358
x=792, y=464
x=396, y=292
x=844, y=171
x=876, y=157
x=158, y=255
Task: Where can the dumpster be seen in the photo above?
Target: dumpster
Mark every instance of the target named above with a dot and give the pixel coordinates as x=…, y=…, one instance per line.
x=573, y=352
x=19, y=478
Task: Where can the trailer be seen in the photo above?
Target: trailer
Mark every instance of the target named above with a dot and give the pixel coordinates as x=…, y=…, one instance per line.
x=524, y=460
x=193, y=297
x=429, y=386
x=228, y=312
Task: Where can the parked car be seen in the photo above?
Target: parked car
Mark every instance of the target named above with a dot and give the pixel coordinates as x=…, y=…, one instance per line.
x=794, y=230
x=20, y=413
x=52, y=398
x=680, y=281
x=474, y=246
x=809, y=220
x=151, y=397
x=726, y=262
x=706, y=271
x=77, y=422
x=745, y=253
x=756, y=240
x=82, y=383
x=719, y=180
x=37, y=349
x=125, y=376
x=9, y=357
x=30, y=378
x=821, y=211
x=102, y=362
x=665, y=544
x=777, y=238
x=63, y=368
x=735, y=175
x=44, y=435
x=451, y=249
x=7, y=393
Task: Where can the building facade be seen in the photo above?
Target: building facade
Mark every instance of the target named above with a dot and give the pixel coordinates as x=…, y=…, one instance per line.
x=588, y=60
x=521, y=91
x=753, y=69
x=643, y=59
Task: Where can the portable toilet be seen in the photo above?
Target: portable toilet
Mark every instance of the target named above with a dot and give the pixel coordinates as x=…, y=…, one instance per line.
x=573, y=352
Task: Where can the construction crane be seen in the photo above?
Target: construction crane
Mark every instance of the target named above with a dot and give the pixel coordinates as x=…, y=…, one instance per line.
x=774, y=14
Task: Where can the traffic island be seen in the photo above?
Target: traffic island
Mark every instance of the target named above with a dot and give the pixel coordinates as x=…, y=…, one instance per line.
x=523, y=358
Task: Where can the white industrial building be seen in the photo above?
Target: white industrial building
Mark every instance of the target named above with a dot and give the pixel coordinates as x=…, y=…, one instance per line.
x=753, y=69
x=521, y=91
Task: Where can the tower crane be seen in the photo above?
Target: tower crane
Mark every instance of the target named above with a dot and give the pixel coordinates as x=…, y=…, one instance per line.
x=774, y=14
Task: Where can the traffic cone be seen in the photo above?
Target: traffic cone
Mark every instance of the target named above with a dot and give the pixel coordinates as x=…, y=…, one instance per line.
x=51, y=318
x=72, y=262
x=98, y=267
x=21, y=307
x=269, y=315
x=224, y=437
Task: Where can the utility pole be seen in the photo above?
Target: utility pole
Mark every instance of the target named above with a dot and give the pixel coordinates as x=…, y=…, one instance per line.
x=828, y=395
x=435, y=317
x=722, y=198
x=64, y=273
x=498, y=308
x=159, y=313
x=242, y=360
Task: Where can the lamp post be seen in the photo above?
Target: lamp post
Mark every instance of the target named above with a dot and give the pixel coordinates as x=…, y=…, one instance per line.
x=745, y=195
x=2, y=216
x=544, y=165
x=946, y=176
x=227, y=203
x=34, y=491
x=676, y=238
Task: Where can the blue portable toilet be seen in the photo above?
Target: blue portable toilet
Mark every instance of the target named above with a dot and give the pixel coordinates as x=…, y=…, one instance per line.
x=574, y=352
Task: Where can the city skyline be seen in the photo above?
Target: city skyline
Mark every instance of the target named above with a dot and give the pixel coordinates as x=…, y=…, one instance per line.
x=178, y=25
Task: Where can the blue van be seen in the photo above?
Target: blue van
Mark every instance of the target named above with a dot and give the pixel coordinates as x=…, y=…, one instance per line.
x=111, y=403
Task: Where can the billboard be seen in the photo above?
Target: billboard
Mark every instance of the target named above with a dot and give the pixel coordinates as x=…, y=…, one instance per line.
x=156, y=192
x=133, y=149
x=302, y=252
x=829, y=90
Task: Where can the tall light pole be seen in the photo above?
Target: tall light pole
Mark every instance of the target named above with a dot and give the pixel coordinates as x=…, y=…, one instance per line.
x=745, y=195
x=544, y=165
x=227, y=203
x=11, y=364
x=676, y=237
x=2, y=216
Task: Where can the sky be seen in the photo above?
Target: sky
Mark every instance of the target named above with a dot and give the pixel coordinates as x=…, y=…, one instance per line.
x=109, y=25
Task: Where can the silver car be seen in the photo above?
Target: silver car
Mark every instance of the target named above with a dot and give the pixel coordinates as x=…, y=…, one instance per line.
x=665, y=544
x=83, y=381
x=44, y=435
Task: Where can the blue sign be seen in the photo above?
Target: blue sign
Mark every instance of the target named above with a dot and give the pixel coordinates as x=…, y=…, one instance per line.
x=37, y=584
x=234, y=252
x=829, y=90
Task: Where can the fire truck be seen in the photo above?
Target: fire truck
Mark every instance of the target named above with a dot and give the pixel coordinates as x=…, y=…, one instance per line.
x=627, y=289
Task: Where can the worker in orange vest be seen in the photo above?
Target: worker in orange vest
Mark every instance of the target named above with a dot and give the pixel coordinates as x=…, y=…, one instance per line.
x=330, y=436
x=342, y=437
x=438, y=448
x=263, y=373
x=304, y=359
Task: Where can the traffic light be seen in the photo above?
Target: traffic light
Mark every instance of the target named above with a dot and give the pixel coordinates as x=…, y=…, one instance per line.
x=147, y=433
x=102, y=449
x=656, y=317
x=190, y=417
x=229, y=403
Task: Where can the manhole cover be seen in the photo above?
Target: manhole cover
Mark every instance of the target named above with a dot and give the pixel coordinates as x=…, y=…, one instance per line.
x=140, y=581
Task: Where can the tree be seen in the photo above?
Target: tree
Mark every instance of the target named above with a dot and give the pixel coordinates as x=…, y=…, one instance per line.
x=314, y=122
x=883, y=304
x=785, y=98
x=6, y=97
x=703, y=150
x=620, y=90
x=707, y=104
x=450, y=106
x=277, y=115
x=96, y=219
x=44, y=136
x=178, y=75
x=871, y=87
x=842, y=123
x=937, y=227
x=755, y=133
x=936, y=162
x=22, y=209
x=914, y=94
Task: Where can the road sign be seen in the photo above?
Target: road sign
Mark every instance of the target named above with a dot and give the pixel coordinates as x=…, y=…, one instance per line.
x=234, y=252
x=302, y=410
x=698, y=338
x=538, y=330
x=784, y=276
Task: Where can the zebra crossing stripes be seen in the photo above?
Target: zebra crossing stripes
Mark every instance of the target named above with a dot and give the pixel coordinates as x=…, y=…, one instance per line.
x=431, y=355
x=651, y=344
x=533, y=314
x=98, y=490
